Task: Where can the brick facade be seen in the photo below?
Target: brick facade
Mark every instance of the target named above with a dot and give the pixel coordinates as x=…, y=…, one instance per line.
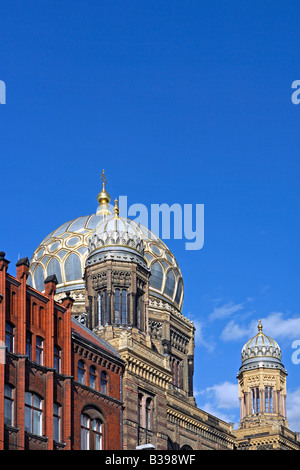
x=43, y=400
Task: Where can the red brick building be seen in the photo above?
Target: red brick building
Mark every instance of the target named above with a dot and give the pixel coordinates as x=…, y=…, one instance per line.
x=60, y=384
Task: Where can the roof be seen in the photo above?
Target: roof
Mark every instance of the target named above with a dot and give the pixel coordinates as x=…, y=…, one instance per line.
x=80, y=330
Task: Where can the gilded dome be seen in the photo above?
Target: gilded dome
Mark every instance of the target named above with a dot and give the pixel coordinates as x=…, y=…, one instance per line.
x=65, y=251
x=261, y=351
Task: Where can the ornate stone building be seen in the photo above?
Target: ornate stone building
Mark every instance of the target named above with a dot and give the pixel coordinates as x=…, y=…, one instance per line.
x=262, y=395
x=128, y=289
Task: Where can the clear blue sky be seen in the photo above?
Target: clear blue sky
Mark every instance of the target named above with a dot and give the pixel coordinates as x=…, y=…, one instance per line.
x=181, y=102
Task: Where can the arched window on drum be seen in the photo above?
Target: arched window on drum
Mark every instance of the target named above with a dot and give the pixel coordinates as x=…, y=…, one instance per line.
x=170, y=283
x=178, y=292
x=156, y=277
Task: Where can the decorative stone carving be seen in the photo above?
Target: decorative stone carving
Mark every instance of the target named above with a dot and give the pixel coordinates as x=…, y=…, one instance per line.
x=115, y=237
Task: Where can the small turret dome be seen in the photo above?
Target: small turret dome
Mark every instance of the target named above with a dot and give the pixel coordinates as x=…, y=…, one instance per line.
x=261, y=351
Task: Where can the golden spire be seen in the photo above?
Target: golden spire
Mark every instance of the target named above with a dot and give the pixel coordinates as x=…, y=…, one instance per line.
x=259, y=326
x=116, y=208
x=103, y=198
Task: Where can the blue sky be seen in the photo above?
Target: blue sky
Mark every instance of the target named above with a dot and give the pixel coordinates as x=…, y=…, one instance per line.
x=183, y=102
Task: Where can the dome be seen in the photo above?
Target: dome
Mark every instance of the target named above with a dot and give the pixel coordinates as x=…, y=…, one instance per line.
x=117, y=232
x=65, y=251
x=261, y=351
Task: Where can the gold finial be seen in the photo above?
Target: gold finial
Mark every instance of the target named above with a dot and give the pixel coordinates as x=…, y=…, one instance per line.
x=103, y=178
x=103, y=197
x=116, y=208
x=259, y=326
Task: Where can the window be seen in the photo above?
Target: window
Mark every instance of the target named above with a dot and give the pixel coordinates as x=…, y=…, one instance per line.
x=54, y=268
x=269, y=399
x=9, y=337
x=140, y=409
x=176, y=372
x=124, y=306
x=100, y=309
x=178, y=293
x=156, y=278
x=91, y=433
x=170, y=284
x=56, y=421
x=81, y=372
x=29, y=345
x=103, y=382
x=255, y=400
x=85, y=432
x=148, y=414
x=102, y=306
x=39, y=350
x=117, y=307
x=57, y=359
x=93, y=377
x=33, y=413
x=145, y=411
x=138, y=312
x=8, y=405
x=97, y=434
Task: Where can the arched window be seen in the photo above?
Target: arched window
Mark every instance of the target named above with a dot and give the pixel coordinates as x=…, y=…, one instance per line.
x=81, y=372
x=269, y=399
x=139, y=310
x=255, y=400
x=33, y=413
x=102, y=308
x=117, y=307
x=57, y=359
x=73, y=267
x=100, y=322
x=54, y=268
x=124, y=307
x=29, y=345
x=39, y=278
x=178, y=292
x=92, y=377
x=104, y=382
x=149, y=414
x=156, y=277
x=91, y=433
x=140, y=409
x=34, y=316
x=170, y=283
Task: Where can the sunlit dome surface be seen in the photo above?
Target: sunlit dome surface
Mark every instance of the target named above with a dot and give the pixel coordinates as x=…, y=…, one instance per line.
x=261, y=351
x=64, y=252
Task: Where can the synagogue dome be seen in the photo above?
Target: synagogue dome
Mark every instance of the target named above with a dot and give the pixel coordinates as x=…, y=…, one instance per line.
x=67, y=249
x=261, y=351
